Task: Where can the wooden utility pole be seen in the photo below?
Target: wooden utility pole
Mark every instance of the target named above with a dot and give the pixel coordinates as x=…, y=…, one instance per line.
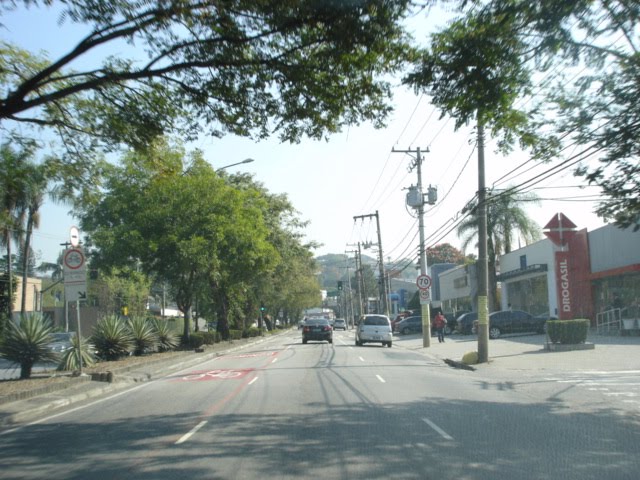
x=383, y=287
x=425, y=308
x=482, y=264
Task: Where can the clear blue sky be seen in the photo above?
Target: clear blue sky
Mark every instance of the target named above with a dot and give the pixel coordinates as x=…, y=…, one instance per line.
x=354, y=173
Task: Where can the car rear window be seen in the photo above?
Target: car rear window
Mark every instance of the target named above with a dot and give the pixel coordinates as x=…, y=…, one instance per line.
x=376, y=321
x=317, y=322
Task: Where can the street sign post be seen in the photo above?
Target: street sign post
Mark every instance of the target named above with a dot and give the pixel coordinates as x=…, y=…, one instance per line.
x=423, y=282
x=75, y=275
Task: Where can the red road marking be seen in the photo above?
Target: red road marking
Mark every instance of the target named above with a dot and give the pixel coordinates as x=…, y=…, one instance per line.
x=217, y=374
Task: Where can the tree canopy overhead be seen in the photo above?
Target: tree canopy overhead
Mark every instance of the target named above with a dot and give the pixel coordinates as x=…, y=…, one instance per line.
x=248, y=67
x=552, y=75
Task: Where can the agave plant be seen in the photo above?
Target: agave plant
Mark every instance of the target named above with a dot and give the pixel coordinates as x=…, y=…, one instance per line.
x=112, y=338
x=69, y=360
x=167, y=338
x=27, y=343
x=144, y=335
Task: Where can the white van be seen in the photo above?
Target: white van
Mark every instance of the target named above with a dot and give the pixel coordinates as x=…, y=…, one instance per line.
x=373, y=329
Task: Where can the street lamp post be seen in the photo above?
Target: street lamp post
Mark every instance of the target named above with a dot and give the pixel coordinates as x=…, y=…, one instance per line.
x=246, y=160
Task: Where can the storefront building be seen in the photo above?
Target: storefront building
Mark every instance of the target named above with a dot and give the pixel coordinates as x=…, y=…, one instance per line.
x=574, y=273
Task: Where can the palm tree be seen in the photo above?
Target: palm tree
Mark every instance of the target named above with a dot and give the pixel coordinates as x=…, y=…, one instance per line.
x=35, y=193
x=506, y=221
x=14, y=168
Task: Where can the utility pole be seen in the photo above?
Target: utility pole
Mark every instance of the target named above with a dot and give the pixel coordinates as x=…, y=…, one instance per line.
x=482, y=265
x=359, y=278
x=351, y=319
x=417, y=201
x=383, y=287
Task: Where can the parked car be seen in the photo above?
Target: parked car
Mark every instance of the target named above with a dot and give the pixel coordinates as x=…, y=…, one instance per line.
x=451, y=325
x=373, y=329
x=409, y=325
x=317, y=329
x=340, y=323
x=465, y=322
x=514, y=321
x=402, y=315
x=61, y=341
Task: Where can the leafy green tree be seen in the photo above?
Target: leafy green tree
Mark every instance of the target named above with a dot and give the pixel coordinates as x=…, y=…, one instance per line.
x=506, y=218
x=26, y=343
x=300, y=67
x=444, y=253
x=121, y=287
x=584, y=57
x=290, y=286
x=184, y=226
x=15, y=167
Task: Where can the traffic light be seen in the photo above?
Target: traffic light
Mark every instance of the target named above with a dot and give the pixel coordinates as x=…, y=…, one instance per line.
x=339, y=285
x=262, y=307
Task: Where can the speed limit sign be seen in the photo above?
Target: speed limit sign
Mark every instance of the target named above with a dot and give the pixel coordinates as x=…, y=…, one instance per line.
x=423, y=282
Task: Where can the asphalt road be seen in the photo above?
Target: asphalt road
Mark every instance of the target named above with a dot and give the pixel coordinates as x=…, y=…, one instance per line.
x=281, y=409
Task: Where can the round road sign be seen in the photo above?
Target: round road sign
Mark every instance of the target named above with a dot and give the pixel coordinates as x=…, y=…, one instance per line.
x=73, y=258
x=423, y=282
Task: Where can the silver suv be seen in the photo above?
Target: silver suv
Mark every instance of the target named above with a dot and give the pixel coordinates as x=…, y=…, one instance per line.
x=374, y=328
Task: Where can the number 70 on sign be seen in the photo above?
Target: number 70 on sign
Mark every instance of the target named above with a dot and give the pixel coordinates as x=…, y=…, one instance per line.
x=423, y=282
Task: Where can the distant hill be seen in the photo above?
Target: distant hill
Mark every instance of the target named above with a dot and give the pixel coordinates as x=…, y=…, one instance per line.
x=333, y=267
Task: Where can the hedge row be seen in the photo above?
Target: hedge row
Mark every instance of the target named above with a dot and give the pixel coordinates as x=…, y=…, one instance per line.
x=568, y=331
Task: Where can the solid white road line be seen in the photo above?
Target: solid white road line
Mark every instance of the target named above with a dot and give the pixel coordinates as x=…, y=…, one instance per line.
x=187, y=436
x=442, y=433
x=252, y=381
x=380, y=378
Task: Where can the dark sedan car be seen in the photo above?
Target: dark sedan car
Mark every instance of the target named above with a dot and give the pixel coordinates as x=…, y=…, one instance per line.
x=317, y=329
x=514, y=321
x=409, y=325
x=465, y=322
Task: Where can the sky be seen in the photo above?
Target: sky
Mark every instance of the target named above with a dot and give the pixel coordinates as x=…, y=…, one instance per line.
x=355, y=172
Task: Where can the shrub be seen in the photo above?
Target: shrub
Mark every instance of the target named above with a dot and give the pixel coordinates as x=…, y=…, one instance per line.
x=112, y=338
x=27, y=343
x=196, y=340
x=145, y=338
x=568, y=331
x=167, y=338
x=470, y=358
x=251, y=332
x=235, y=334
x=210, y=338
x=69, y=360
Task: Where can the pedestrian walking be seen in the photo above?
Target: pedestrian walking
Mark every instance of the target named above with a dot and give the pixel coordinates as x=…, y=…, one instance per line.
x=439, y=323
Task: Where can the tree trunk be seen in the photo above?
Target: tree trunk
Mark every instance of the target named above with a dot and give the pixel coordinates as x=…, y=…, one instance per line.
x=221, y=308
x=25, y=370
x=10, y=275
x=25, y=265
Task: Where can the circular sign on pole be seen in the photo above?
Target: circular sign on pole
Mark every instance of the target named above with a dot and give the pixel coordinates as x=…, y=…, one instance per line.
x=73, y=259
x=423, y=282
x=74, y=236
x=424, y=295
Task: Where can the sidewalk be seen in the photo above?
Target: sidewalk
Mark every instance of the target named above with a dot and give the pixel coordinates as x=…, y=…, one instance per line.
x=526, y=353
x=30, y=407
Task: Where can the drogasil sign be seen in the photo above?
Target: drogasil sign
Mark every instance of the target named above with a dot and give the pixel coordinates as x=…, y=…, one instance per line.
x=563, y=279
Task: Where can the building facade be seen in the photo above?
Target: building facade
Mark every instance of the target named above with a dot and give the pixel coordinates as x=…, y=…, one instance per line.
x=574, y=273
